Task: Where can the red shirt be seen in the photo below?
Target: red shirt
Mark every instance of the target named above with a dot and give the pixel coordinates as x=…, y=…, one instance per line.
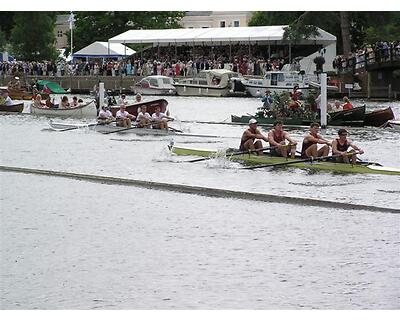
x=347, y=106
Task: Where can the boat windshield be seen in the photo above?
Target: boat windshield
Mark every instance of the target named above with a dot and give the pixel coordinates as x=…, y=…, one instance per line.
x=166, y=80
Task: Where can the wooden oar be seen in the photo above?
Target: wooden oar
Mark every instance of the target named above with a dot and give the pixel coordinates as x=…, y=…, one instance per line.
x=233, y=154
x=296, y=161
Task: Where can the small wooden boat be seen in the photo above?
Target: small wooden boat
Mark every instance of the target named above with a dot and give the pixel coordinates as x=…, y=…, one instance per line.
x=352, y=118
x=361, y=167
x=87, y=110
x=21, y=94
x=378, y=117
x=150, y=104
x=17, y=107
x=155, y=85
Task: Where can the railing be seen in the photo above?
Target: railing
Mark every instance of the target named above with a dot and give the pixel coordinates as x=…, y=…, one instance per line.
x=364, y=61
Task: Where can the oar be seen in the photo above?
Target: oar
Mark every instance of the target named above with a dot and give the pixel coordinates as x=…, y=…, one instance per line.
x=233, y=154
x=296, y=161
x=119, y=130
x=175, y=130
x=78, y=127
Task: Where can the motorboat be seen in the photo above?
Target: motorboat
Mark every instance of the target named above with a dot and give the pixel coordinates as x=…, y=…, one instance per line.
x=155, y=85
x=208, y=83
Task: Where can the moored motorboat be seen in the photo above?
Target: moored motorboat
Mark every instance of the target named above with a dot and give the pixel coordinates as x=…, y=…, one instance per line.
x=155, y=85
x=251, y=159
x=87, y=110
x=376, y=118
x=16, y=107
x=150, y=105
x=208, y=83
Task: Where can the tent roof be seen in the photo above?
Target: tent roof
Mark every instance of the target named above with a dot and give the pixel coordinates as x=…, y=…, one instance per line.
x=100, y=49
x=201, y=35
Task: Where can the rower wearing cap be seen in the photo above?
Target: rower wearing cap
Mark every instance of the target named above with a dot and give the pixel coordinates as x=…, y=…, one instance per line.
x=124, y=117
x=277, y=140
x=310, y=144
x=105, y=116
x=249, y=137
x=340, y=146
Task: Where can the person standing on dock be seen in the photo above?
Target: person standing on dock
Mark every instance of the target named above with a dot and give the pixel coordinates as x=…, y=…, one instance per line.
x=277, y=140
x=340, y=146
x=249, y=137
x=309, y=148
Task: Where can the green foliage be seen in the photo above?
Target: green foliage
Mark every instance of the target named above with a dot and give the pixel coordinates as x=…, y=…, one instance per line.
x=32, y=37
x=6, y=23
x=2, y=41
x=101, y=26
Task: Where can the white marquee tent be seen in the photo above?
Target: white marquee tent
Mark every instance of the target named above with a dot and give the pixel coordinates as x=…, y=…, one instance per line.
x=104, y=50
x=198, y=36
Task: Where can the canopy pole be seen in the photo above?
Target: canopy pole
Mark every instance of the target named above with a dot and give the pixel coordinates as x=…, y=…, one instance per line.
x=323, y=100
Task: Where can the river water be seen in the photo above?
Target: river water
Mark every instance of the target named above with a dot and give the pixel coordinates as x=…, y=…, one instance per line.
x=71, y=244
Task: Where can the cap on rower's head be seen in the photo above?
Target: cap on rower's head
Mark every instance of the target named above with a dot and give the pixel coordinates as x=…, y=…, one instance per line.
x=342, y=131
x=252, y=121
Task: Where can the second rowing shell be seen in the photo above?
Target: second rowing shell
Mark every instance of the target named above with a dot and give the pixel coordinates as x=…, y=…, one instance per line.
x=108, y=129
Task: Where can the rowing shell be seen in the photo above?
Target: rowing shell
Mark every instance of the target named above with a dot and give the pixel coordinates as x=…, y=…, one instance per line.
x=267, y=159
x=63, y=126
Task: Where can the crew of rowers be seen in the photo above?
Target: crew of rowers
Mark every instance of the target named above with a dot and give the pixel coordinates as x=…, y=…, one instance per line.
x=277, y=138
x=158, y=120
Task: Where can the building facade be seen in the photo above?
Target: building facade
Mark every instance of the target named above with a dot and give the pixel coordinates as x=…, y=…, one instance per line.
x=215, y=19
x=61, y=30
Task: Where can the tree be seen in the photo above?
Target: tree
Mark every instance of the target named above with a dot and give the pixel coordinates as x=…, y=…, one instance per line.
x=32, y=36
x=6, y=22
x=101, y=26
x=2, y=41
x=345, y=26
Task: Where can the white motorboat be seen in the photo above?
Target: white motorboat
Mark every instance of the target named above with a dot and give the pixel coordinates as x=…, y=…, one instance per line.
x=208, y=83
x=87, y=110
x=155, y=85
x=280, y=81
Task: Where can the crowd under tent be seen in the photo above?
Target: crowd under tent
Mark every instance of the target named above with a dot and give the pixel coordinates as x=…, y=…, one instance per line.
x=104, y=50
x=269, y=36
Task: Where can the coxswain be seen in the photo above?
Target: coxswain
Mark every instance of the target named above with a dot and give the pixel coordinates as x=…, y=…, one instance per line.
x=251, y=138
x=105, y=115
x=309, y=148
x=124, y=118
x=341, y=145
x=347, y=104
x=277, y=140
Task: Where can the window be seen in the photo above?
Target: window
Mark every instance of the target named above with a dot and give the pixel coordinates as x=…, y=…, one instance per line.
x=222, y=24
x=236, y=23
x=59, y=33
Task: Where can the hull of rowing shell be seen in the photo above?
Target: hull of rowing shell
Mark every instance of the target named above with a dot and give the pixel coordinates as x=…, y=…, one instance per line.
x=260, y=160
x=151, y=106
x=201, y=91
x=18, y=107
x=87, y=111
x=352, y=118
x=379, y=117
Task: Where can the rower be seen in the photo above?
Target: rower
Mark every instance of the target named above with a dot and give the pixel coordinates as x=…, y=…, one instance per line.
x=309, y=148
x=144, y=119
x=160, y=120
x=105, y=115
x=124, y=117
x=276, y=139
x=340, y=146
x=249, y=137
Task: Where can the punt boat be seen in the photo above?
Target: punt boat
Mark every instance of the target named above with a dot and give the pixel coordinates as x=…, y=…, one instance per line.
x=251, y=159
x=16, y=107
x=87, y=110
x=378, y=117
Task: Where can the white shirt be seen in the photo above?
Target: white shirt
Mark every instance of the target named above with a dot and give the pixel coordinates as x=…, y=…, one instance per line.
x=105, y=114
x=159, y=117
x=123, y=114
x=142, y=116
x=122, y=101
x=8, y=101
